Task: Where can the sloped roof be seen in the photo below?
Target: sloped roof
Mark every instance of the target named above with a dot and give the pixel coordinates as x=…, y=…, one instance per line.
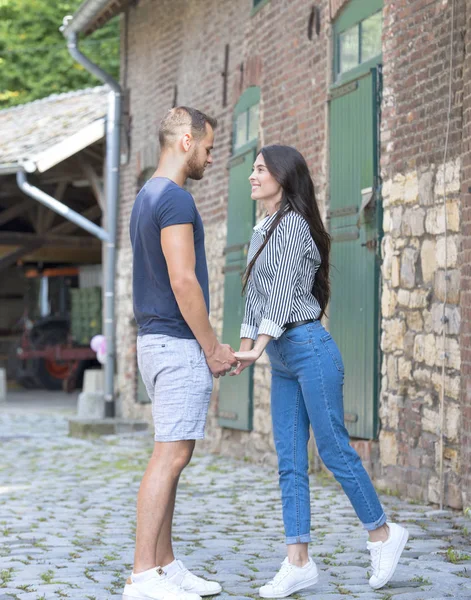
x=44, y=132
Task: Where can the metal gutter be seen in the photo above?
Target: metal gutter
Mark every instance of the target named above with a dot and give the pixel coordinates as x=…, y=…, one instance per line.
x=113, y=129
x=83, y=17
x=9, y=168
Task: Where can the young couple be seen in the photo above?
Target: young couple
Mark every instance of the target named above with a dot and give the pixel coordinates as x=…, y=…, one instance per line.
x=287, y=287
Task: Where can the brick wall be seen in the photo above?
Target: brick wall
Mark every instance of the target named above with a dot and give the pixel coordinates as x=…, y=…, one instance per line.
x=181, y=43
x=465, y=262
x=416, y=52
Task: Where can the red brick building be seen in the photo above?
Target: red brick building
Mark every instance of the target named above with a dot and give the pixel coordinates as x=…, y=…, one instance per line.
x=376, y=95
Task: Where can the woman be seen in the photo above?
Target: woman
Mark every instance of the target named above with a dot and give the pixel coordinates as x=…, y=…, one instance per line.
x=287, y=285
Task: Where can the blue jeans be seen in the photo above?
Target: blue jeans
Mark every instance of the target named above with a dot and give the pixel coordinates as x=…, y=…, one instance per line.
x=307, y=388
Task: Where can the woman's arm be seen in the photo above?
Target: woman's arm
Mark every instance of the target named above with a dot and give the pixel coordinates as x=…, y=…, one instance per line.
x=248, y=355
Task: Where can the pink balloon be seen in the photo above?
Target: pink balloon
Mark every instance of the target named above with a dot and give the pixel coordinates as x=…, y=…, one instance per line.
x=98, y=343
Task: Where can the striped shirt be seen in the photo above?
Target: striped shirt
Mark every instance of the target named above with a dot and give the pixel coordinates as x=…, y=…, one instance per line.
x=279, y=289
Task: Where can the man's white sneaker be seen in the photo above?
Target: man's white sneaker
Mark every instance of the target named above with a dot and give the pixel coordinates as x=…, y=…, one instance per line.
x=181, y=576
x=156, y=587
x=290, y=579
x=385, y=555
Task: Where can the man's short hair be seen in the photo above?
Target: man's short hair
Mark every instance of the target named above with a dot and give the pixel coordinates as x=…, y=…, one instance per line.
x=183, y=117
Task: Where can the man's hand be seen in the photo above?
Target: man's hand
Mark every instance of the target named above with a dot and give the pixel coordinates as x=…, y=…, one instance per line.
x=221, y=360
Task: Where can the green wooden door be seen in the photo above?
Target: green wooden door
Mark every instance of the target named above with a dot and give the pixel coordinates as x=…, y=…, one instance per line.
x=235, y=393
x=354, y=226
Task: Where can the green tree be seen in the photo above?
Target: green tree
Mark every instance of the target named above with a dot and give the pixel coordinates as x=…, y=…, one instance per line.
x=34, y=60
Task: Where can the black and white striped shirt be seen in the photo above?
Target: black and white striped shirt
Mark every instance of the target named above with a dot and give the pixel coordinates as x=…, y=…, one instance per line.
x=279, y=289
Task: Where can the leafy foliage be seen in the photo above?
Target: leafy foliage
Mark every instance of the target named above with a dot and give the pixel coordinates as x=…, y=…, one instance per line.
x=34, y=60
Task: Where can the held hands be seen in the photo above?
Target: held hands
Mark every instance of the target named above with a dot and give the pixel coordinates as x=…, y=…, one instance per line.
x=245, y=359
x=221, y=360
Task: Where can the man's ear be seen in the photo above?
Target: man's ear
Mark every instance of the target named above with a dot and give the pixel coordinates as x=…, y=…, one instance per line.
x=186, y=141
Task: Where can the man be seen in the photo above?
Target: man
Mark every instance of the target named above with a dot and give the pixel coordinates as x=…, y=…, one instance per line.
x=177, y=347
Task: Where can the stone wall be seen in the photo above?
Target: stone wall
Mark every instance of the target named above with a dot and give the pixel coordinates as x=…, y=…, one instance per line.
x=415, y=248
x=465, y=282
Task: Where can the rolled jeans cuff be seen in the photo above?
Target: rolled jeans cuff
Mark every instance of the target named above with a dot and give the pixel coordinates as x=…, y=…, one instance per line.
x=299, y=539
x=378, y=523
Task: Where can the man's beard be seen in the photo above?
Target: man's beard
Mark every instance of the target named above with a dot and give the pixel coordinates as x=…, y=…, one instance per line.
x=195, y=170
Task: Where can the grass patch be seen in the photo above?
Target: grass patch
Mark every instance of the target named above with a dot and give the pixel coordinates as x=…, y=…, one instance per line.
x=47, y=576
x=455, y=556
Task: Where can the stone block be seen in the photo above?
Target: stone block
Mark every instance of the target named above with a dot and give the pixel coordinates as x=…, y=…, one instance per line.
x=391, y=371
x=450, y=176
x=453, y=286
x=93, y=381
x=453, y=352
x=419, y=348
x=452, y=421
x=414, y=320
x=428, y=260
x=419, y=298
x=90, y=428
x=431, y=350
x=388, y=448
x=411, y=187
x=393, y=335
x=451, y=245
x=404, y=368
x=426, y=188
x=452, y=384
x=408, y=260
x=452, y=314
x=91, y=405
x=409, y=339
x=396, y=220
x=395, y=189
x=430, y=420
x=453, y=215
x=435, y=220
x=403, y=297
x=387, y=251
x=395, y=271
x=422, y=376
x=413, y=222
x=388, y=302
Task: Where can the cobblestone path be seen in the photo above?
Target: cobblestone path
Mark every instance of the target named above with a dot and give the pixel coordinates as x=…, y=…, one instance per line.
x=67, y=514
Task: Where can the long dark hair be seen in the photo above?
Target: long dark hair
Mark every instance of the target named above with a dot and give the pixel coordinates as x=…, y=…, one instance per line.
x=290, y=170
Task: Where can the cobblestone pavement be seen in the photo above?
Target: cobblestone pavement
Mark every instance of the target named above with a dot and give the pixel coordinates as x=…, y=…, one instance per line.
x=67, y=513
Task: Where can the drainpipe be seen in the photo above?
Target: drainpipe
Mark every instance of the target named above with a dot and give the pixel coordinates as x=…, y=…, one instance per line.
x=113, y=127
x=62, y=209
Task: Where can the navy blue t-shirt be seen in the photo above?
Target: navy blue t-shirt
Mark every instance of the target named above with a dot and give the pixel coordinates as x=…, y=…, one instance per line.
x=161, y=203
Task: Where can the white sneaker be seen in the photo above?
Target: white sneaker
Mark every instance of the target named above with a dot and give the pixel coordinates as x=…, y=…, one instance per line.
x=385, y=555
x=192, y=583
x=157, y=587
x=290, y=579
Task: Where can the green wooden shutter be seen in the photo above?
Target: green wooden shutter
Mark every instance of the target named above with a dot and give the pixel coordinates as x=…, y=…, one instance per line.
x=353, y=311
x=235, y=394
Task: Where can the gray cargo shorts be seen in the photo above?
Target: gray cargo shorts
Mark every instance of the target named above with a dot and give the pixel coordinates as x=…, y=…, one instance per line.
x=179, y=384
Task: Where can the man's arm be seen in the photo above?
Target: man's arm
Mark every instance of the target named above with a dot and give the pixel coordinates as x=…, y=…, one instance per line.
x=179, y=250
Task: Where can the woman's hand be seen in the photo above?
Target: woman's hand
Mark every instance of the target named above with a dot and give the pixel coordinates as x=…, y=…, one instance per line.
x=245, y=358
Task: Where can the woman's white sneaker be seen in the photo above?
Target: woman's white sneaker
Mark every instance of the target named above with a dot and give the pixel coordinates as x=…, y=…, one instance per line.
x=156, y=587
x=290, y=579
x=386, y=555
x=178, y=574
